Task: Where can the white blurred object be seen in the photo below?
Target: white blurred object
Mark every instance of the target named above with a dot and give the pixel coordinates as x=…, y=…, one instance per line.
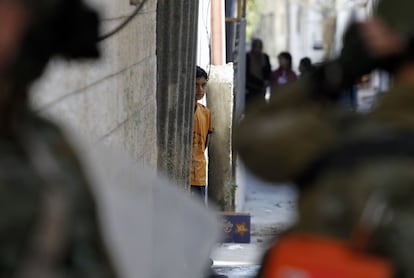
x=267, y=94
x=152, y=228
x=235, y=247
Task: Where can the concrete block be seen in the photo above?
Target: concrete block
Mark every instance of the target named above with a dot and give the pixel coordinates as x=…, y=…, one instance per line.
x=220, y=103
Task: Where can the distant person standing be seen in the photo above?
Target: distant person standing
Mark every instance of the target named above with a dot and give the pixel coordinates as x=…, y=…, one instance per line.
x=305, y=67
x=284, y=74
x=202, y=129
x=258, y=70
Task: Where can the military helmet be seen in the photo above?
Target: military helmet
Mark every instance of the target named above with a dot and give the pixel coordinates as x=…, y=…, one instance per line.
x=65, y=28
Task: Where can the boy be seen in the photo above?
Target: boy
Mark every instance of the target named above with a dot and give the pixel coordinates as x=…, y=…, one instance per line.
x=202, y=129
x=305, y=67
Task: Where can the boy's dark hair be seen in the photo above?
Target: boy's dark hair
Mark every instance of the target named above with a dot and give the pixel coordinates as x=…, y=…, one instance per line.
x=286, y=55
x=201, y=73
x=306, y=62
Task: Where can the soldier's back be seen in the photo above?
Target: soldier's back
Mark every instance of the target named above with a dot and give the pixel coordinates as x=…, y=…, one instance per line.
x=366, y=178
x=48, y=216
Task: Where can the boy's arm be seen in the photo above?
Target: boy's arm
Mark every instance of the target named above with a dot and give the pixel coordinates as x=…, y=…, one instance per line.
x=208, y=139
x=210, y=130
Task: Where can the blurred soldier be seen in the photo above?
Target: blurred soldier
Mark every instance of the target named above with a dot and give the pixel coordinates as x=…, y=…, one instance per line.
x=49, y=225
x=341, y=160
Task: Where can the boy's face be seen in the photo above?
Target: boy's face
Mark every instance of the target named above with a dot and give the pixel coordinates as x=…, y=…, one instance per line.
x=301, y=68
x=283, y=62
x=200, y=90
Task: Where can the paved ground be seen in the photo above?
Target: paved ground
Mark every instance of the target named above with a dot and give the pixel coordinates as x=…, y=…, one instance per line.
x=272, y=209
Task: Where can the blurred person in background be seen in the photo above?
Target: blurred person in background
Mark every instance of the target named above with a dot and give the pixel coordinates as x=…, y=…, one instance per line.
x=284, y=74
x=305, y=67
x=258, y=71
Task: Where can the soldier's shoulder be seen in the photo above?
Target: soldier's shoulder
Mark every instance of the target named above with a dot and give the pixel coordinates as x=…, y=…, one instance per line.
x=52, y=133
x=42, y=122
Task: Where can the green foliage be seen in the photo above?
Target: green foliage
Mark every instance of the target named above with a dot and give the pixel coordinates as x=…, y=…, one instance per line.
x=233, y=189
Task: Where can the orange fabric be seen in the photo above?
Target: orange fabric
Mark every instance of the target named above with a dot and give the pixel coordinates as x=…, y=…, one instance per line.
x=202, y=127
x=318, y=257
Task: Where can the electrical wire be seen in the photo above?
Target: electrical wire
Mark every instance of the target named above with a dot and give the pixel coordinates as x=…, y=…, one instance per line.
x=125, y=23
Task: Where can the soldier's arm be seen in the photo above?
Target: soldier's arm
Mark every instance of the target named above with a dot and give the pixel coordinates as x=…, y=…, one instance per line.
x=87, y=254
x=277, y=141
x=90, y=253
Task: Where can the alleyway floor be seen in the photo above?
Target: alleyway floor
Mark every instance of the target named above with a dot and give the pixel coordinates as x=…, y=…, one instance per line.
x=272, y=209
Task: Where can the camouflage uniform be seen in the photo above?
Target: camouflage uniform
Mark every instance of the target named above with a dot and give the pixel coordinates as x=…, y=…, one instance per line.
x=81, y=252
x=342, y=161
x=49, y=223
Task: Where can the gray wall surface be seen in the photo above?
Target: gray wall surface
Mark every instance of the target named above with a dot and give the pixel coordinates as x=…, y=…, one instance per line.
x=220, y=102
x=112, y=100
x=176, y=49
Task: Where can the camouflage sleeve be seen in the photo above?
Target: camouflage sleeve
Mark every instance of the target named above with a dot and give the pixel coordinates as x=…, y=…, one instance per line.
x=278, y=140
x=86, y=254
x=73, y=245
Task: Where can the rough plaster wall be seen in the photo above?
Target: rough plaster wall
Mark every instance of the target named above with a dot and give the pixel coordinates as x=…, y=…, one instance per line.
x=220, y=102
x=239, y=64
x=176, y=57
x=112, y=100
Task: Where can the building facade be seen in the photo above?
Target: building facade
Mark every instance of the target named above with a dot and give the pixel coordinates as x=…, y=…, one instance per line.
x=138, y=97
x=110, y=101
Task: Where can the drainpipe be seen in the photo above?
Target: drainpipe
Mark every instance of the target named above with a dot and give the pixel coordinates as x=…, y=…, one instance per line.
x=218, y=37
x=230, y=29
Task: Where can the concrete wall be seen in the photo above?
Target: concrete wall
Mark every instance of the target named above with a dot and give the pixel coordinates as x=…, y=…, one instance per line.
x=239, y=63
x=113, y=100
x=220, y=102
x=176, y=58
